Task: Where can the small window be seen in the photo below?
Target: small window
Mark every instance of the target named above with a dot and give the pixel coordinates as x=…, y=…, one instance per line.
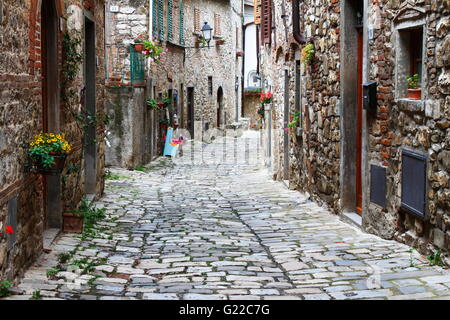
x=409, y=59
x=210, y=86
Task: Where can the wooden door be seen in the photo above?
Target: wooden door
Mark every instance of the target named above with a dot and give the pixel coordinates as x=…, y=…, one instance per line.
x=359, y=126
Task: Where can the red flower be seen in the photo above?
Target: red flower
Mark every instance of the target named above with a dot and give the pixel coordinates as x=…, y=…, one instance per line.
x=9, y=230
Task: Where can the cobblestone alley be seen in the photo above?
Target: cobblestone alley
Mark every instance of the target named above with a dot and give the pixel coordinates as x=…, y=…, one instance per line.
x=213, y=225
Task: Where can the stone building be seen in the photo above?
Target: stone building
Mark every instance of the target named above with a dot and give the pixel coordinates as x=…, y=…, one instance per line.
x=381, y=162
x=252, y=83
x=203, y=81
x=42, y=90
x=130, y=135
x=213, y=76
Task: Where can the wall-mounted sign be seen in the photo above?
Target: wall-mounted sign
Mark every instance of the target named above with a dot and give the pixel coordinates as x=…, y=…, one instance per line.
x=114, y=8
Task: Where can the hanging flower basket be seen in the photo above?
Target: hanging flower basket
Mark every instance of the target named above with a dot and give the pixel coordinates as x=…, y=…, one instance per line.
x=48, y=153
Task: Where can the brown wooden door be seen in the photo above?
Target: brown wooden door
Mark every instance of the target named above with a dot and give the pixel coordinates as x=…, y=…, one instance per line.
x=359, y=126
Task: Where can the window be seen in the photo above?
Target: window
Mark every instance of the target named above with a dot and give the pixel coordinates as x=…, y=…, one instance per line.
x=197, y=20
x=217, y=22
x=409, y=58
x=210, y=86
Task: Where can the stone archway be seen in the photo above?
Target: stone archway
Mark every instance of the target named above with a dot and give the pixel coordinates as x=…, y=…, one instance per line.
x=220, y=117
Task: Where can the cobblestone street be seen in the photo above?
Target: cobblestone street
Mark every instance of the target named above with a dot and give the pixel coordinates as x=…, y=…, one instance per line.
x=213, y=225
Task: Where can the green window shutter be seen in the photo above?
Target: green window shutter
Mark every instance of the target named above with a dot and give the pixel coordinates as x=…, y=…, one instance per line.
x=181, y=23
x=161, y=19
x=155, y=18
x=169, y=20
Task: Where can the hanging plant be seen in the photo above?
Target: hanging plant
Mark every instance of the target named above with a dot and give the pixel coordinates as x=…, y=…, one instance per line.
x=308, y=54
x=152, y=104
x=48, y=152
x=154, y=51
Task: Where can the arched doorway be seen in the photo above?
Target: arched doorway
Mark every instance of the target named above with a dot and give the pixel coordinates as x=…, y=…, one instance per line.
x=220, y=107
x=50, y=107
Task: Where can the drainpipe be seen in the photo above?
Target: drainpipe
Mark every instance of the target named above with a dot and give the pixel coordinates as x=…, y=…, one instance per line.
x=296, y=22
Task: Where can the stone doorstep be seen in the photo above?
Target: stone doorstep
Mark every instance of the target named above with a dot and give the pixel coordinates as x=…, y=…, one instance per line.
x=351, y=218
x=49, y=236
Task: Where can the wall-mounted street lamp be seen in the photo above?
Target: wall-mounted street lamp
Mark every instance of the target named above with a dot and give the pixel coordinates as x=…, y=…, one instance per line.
x=206, y=35
x=207, y=32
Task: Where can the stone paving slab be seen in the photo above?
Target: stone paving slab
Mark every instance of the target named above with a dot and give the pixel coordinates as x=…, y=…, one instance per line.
x=211, y=224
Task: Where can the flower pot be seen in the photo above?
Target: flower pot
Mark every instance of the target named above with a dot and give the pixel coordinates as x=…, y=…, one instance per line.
x=56, y=168
x=72, y=223
x=239, y=53
x=415, y=94
x=138, y=47
x=220, y=42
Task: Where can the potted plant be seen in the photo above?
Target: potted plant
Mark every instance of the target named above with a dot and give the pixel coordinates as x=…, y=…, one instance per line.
x=220, y=41
x=414, y=90
x=239, y=53
x=73, y=222
x=294, y=122
x=138, y=43
x=266, y=98
x=308, y=54
x=152, y=104
x=153, y=50
x=201, y=41
x=48, y=153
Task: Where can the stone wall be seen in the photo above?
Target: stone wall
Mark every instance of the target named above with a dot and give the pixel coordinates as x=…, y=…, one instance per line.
x=313, y=154
x=322, y=154
x=421, y=126
x=21, y=117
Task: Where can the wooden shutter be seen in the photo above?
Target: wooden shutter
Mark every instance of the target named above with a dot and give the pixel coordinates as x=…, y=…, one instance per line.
x=257, y=11
x=169, y=20
x=161, y=19
x=197, y=20
x=266, y=21
x=217, y=23
x=181, y=23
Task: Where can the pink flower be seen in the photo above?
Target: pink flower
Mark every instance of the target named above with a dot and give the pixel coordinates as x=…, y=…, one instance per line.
x=167, y=50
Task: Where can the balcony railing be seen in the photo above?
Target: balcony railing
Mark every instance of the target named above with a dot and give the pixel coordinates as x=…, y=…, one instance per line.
x=124, y=66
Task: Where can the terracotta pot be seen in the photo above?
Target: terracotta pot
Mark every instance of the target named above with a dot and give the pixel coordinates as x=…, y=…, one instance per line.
x=219, y=42
x=239, y=53
x=73, y=223
x=415, y=94
x=138, y=47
